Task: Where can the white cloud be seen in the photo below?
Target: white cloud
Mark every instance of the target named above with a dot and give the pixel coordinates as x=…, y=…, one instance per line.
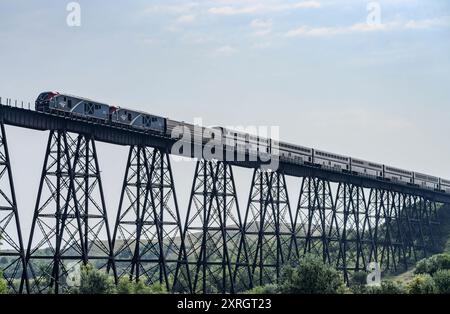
x=257, y=23
x=224, y=51
x=261, y=27
x=259, y=8
x=429, y=23
x=307, y=31
x=181, y=8
x=185, y=19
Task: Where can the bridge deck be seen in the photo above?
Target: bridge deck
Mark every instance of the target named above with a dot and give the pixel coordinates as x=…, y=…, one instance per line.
x=118, y=135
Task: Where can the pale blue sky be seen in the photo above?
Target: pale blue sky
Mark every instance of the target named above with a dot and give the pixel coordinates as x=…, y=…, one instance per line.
x=314, y=68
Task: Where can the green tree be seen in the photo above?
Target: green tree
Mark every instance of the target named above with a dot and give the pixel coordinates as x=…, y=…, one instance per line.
x=126, y=286
x=442, y=281
x=267, y=289
x=3, y=284
x=421, y=284
x=311, y=276
x=387, y=287
x=432, y=264
x=358, y=282
x=94, y=281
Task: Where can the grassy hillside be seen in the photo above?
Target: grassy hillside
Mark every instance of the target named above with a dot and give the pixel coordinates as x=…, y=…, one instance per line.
x=443, y=242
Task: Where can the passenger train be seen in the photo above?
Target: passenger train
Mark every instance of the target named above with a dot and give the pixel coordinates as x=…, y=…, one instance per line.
x=57, y=103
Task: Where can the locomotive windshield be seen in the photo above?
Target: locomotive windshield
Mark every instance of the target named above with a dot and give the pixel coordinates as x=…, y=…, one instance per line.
x=45, y=96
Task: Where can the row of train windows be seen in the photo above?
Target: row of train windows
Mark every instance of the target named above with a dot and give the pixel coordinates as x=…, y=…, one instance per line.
x=245, y=136
x=332, y=156
x=296, y=148
x=427, y=178
x=354, y=161
x=399, y=171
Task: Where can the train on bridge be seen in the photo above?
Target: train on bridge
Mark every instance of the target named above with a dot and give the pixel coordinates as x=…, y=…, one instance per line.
x=57, y=103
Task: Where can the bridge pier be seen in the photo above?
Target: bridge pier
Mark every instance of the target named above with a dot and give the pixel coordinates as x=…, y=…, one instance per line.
x=389, y=245
x=269, y=229
x=350, y=212
x=70, y=220
x=421, y=215
x=11, y=243
x=316, y=224
x=89, y=195
x=213, y=231
x=148, y=222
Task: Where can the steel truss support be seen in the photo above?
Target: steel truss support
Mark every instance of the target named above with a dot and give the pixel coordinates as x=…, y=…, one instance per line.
x=421, y=221
x=389, y=243
x=352, y=223
x=70, y=225
x=12, y=257
x=91, y=203
x=148, y=226
x=317, y=230
x=269, y=229
x=213, y=232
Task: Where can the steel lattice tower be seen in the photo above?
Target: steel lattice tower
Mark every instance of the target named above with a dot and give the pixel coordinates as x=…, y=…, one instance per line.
x=269, y=229
x=317, y=228
x=350, y=210
x=213, y=232
x=133, y=200
x=11, y=243
x=70, y=215
x=148, y=227
x=91, y=203
x=389, y=250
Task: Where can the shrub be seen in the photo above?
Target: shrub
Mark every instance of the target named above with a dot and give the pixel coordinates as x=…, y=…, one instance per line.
x=267, y=289
x=157, y=288
x=126, y=286
x=3, y=284
x=358, y=282
x=311, y=276
x=359, y=278
x=421, y=284
x=433, y=264
x=94, y=281
x=387, y=287
x=442, y=281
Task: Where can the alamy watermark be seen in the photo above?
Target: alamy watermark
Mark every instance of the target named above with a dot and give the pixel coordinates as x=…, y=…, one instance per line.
x=74, y=275
x=374, y=277
x=232, y=144
x=374, y=14
x=74, y=16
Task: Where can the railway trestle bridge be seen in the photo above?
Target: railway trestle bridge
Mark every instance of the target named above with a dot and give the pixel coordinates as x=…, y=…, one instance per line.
x=223, y=244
